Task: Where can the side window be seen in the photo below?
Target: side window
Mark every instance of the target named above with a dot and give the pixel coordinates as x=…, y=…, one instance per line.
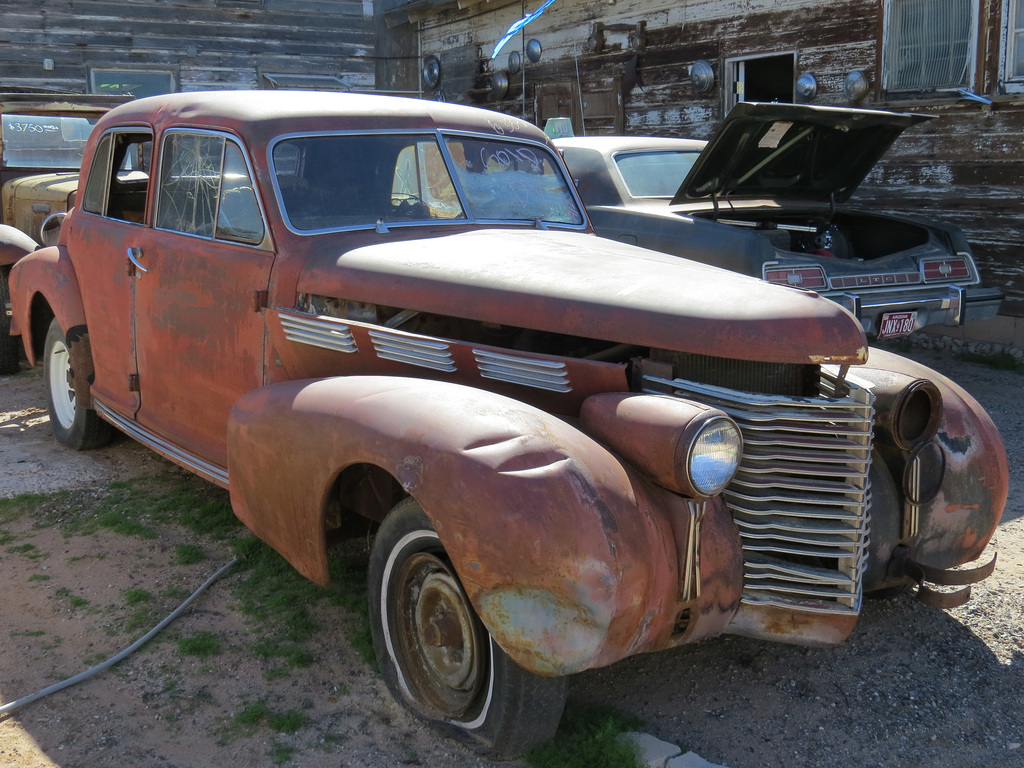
x=118, y=179
x=95, y=194
x=206, y=189
x=190, y=168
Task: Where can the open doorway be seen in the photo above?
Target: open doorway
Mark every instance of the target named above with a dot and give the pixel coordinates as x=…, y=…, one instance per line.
x=760, y=78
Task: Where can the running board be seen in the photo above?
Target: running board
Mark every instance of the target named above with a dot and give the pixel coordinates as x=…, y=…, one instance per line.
x=192, y=463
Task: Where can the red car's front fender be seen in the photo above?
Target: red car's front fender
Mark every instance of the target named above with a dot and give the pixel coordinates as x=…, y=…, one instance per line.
x=569, y=558
x=955, y=526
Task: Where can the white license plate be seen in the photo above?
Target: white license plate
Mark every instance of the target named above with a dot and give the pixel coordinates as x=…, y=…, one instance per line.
x=896, y=324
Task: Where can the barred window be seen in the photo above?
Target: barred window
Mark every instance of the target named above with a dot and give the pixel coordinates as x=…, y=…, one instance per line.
x=929, y=44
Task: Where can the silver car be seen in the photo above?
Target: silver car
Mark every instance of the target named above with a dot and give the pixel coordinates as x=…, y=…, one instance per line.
x=765, y=197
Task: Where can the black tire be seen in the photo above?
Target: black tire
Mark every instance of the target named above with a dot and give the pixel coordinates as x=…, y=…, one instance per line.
x=9, y=346
x=449, y=671
x=74, y=426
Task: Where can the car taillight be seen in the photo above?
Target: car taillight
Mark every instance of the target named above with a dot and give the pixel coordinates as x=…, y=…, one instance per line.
x=955, y=268
x=812, y=278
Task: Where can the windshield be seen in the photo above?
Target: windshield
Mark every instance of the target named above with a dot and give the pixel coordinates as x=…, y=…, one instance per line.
x=333, y=182
x=656, y=173
x=31, y=141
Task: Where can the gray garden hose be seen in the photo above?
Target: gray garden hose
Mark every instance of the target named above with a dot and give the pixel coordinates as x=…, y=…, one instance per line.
x=114, y=659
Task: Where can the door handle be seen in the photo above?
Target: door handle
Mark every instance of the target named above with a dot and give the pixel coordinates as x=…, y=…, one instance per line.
x=134, y=254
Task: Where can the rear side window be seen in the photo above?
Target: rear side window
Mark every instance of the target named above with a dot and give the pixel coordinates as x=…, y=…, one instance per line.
x=118, y=180
x=655, y=174
x=206, y=189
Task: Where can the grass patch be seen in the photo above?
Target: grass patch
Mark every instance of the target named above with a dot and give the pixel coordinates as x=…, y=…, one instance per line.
x=13, y=508
x=252, y=714
x=31, y=551
x=188, y=554
x=258, y=713
x=75, y=601
x=34, y=633
x=286, y=722
x=202, y=645
x=279, y=603
x=178, y=594
x=136, y=596
x=589, y=737
x=39, y=577
x=135, y=507
x=1001, y=361
x=276, y=595
x=143, y=614
x=279, y=753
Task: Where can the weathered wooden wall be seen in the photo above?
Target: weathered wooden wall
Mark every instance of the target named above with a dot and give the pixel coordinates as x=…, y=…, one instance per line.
x=965, y=167
x=206, y=44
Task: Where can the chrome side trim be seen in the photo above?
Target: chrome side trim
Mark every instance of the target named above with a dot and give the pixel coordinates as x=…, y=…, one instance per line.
x=412, y=350
x=318, y=331
x=689, y=566
x=801, y=496
x=527, y=371
x=202, y=468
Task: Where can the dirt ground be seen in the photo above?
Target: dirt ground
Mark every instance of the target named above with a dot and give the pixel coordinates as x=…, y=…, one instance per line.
x=913, y=687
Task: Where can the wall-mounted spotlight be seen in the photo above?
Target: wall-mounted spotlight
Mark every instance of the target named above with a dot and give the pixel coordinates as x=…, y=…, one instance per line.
x=806, y=87
x=702, y=76
x=855, y=86
x=431, y=71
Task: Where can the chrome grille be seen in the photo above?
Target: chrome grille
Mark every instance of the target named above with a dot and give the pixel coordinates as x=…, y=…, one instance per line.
x=527, y=371
x=318, y=331
x=800, y=498
x=413, y=350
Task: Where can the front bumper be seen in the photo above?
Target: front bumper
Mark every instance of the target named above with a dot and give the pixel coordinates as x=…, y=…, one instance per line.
x=951, y=305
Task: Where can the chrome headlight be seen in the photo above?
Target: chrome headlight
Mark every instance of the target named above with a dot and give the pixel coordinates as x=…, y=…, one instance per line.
x=714, y=455
x=687, y=447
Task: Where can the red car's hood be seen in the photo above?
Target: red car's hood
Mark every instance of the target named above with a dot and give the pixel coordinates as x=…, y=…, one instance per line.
x=791, y=152
x=581, y=285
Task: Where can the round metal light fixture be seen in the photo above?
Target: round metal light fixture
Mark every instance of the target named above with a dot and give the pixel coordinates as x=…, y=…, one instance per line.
x=806, y=87
x=499, y=85
x=533, y=50
x=515, y=61
x=855, y=86
x=431, y=71
x=702, y=76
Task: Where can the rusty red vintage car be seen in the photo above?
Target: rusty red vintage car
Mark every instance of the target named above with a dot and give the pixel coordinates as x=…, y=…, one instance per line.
x=347, y=307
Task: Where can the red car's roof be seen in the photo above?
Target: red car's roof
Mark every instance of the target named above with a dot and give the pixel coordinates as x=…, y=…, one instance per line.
x=284, y=111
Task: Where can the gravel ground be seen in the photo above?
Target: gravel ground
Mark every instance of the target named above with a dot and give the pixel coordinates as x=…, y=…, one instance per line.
x=912, y=687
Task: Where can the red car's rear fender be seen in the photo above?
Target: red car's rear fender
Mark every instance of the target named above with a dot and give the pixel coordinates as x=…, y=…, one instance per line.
x=568, y=557
x=46, y=273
